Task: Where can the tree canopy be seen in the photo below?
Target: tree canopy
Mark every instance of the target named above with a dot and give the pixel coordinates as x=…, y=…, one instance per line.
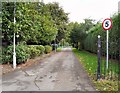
x=36, y=23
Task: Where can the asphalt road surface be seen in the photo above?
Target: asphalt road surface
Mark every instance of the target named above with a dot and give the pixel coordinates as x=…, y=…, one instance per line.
x=59, y=72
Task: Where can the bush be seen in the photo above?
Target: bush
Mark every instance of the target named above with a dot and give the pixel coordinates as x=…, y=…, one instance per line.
x=48, y=49
x=33, y=51
x=58, y=49
x=41, y=48
x=7, y=54
x=22, y=54
x=0, y=55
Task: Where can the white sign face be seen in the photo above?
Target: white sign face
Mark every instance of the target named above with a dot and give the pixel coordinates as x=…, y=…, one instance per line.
x=107, y=24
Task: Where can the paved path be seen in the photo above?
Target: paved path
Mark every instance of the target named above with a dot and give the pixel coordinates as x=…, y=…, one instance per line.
x=59, y=72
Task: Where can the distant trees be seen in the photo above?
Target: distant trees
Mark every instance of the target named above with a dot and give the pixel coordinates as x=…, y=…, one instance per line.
x=79, y=33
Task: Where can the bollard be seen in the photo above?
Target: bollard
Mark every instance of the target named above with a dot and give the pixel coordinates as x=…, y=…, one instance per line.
x=99, y=58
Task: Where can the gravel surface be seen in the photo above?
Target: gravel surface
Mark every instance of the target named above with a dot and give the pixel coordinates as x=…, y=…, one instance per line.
x=59, y=72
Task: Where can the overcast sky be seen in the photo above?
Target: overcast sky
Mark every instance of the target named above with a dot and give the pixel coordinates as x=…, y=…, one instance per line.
x=94, y=9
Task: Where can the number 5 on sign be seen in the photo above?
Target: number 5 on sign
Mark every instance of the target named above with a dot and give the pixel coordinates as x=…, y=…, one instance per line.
x=107, y=24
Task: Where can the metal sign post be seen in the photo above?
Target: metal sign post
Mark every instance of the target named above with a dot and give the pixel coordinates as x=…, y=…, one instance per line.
x=107, y=24
x=107, y=56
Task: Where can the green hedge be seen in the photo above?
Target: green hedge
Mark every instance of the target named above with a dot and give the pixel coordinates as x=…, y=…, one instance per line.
x=59, y=49
x=0, y=54
x=7, y=54
x=41, y=48
x=22, y=54
x=33, y=51
x=36, y=50
x=90, y=43
x=48, y=49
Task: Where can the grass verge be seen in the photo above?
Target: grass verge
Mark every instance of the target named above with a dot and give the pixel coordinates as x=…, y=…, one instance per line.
x=59, y=49
x=89, y=62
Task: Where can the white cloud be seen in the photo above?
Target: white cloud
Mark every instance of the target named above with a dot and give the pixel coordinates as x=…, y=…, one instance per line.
x=81, y=9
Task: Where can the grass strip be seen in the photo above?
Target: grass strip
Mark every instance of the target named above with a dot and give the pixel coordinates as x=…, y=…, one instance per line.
x=89, y=62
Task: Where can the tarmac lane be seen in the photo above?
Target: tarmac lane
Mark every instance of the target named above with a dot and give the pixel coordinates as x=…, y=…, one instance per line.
x=59, y=72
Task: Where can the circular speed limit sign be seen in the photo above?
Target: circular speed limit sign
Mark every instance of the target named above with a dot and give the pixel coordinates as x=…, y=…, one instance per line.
x=107, y=24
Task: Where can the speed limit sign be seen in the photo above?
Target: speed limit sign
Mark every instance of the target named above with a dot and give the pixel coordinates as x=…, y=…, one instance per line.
x=107, y=24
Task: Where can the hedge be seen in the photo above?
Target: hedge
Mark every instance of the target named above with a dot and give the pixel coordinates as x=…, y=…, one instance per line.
x=41, y=48
x=33, y=51
x=22, y=54
x=90, y=43
x=48, y=49
x=36, y=50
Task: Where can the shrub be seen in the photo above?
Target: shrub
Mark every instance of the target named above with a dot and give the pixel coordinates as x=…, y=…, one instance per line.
x=41, y=48
x=0, y=55
x=34, y=51
x=48, y=49
x=22, y=54
x=58, y=49
x=7, y=54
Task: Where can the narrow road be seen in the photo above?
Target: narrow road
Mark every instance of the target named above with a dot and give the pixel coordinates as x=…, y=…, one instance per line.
x=59, y=72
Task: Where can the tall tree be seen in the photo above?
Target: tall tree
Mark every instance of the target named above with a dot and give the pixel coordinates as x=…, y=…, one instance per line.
x=34, y=23
x=60, y=20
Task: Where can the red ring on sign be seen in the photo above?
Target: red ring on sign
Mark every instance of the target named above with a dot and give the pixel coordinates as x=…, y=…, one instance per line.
x=110, y=25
